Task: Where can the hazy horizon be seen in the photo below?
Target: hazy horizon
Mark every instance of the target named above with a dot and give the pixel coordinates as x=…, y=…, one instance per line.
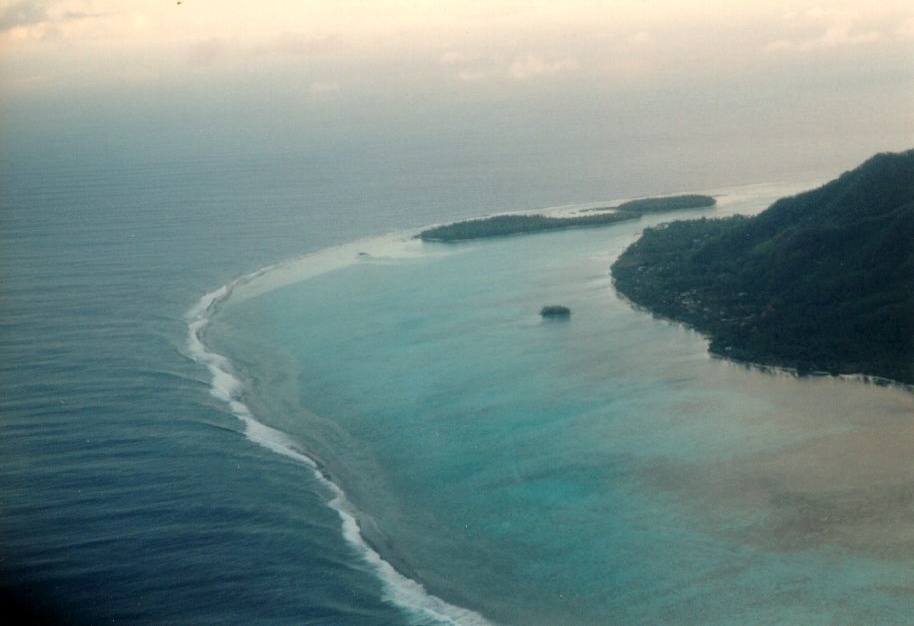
x=802, y=89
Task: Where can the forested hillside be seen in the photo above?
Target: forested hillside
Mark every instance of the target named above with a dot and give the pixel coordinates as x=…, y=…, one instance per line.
x=822, y=281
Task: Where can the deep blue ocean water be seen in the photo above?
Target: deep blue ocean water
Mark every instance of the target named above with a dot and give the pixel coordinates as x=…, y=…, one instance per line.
x=131, y=493
x=127, y=493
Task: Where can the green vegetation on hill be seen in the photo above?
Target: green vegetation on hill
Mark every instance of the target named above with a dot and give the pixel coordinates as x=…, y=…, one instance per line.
x=822, y=281
x=504, y=225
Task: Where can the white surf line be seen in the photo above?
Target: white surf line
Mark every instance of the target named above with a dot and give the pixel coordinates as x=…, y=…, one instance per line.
x=410, y=596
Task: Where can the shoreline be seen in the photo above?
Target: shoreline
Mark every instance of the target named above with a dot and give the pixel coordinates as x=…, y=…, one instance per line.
x=771, y=369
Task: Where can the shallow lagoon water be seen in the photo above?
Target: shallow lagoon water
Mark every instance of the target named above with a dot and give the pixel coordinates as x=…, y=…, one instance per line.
x=600, y=469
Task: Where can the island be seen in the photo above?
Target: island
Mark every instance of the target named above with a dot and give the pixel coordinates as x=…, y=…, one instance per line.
x=821, y=282
x=504, y=225
x=517, y=224
x=555, y=311
x=663, y=204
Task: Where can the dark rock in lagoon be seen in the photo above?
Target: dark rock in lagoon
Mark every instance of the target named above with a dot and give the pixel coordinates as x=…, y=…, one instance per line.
x=555, y=311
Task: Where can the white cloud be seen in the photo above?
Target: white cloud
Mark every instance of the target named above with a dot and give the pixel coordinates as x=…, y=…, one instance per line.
x=834, y=36
x=457, y=58
x=203, y=53
x=473, y=75
x=778, y=44
x=23, y=14
x=640, y=39
x=633, y=48
x=818, y=12
x=470, y=66
x=42, y=19
x=533, y=66
x=300, y=44
x=474, y=67
x=830, y=27
x=905, y=30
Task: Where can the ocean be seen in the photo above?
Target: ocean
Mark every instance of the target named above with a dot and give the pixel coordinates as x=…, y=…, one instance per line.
x=236, y=390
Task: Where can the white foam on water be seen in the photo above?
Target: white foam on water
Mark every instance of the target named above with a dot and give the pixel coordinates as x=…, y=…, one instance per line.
x=421, y=607
x=394, y=247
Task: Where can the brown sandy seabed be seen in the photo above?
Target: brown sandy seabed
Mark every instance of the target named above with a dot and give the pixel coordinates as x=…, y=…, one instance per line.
x=847, y=481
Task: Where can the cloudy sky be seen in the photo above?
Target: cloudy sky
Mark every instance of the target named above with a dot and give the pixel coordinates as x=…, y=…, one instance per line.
x=459, y=43
x=772, y=67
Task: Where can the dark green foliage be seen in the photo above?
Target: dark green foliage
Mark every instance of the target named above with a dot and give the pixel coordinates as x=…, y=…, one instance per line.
x=661, y=205
x=555, y=310
x=503, y=225
x=822, y=281
x=672, y=203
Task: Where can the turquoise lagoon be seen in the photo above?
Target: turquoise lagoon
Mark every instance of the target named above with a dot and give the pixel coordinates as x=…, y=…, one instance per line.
x=508, y=469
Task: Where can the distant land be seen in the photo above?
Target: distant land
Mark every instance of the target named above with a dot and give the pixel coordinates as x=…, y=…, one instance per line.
x=504, y=225
x=663, y=204
x=821, y=282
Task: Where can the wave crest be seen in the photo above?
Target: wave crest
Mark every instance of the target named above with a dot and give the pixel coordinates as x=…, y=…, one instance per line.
x=421, y=607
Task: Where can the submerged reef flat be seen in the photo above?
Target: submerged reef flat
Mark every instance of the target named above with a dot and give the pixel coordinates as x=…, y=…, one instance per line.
x=504, y=225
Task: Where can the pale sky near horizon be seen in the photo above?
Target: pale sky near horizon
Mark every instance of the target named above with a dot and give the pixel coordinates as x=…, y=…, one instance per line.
x=719, y=66
x=46, y=43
